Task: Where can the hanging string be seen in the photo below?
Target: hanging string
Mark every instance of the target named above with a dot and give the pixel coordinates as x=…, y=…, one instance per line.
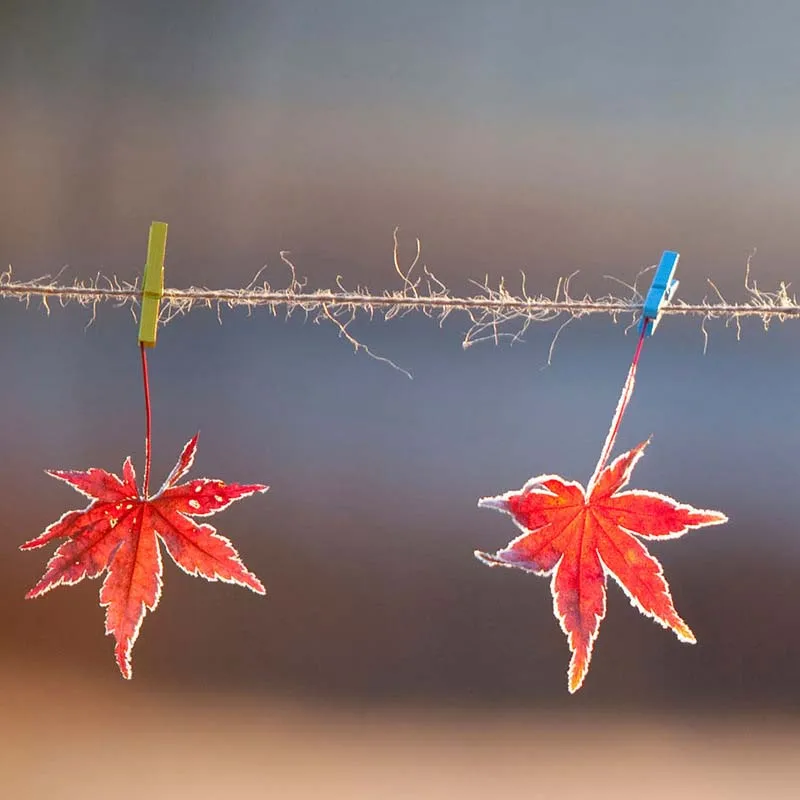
x=763, y=305
x=434, y=298
x=492, y=314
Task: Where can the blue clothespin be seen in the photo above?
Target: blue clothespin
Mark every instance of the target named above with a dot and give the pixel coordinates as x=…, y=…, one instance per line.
x=661, y=291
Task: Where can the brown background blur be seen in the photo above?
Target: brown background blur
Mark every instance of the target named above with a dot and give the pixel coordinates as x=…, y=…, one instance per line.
x=385, y=661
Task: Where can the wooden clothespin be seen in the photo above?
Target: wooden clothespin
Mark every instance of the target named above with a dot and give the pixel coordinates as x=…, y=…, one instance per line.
x=153, y=284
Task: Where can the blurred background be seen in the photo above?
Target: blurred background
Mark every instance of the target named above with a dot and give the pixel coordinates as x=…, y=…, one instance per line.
x=385, y=661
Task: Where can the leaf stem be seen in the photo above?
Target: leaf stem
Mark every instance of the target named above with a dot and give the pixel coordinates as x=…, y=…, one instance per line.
x=147, y=437
x=624, y=399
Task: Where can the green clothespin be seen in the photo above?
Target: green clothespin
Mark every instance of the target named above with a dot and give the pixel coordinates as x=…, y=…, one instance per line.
x=153, y=283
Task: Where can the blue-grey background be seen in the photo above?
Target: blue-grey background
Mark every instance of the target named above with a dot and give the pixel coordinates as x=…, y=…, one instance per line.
x=535, y=136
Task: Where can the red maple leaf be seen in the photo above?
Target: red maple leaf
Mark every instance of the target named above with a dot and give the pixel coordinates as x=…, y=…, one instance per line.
x=582, y=535
x=118, y=532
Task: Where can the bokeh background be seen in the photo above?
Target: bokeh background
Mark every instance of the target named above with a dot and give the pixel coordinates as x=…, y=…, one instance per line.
x=386, y=662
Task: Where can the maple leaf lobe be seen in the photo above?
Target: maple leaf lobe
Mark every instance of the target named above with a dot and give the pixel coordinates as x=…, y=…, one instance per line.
x=582, y=535
x=119, y=533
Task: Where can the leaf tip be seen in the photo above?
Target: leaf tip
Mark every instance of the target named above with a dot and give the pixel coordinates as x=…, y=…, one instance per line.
x=498, y=503
x=684, y=633
x=488, y=558
x=40, y=588
x=255, y=585
x=714, y=518
x=122, y=654
x=576, y=677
